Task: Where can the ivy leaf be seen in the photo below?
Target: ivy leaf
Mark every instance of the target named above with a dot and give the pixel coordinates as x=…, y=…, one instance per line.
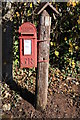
x=17, y=13
x=70, y=43
x=30, y=5
x=57, y=53
x=24, y=4
x=71, y=50
x=51, y=43
x=16, y=42
x=73, y=64
x=54, y=44
x=38, y=1
x=28, y=13
x=65, y=38
x=76, y=47
x=78, y=20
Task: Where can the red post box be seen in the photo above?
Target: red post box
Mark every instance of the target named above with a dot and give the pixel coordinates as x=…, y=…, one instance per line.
x=28, y=45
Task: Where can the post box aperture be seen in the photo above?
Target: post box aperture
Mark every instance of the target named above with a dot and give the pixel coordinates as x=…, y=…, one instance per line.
x=28, y=45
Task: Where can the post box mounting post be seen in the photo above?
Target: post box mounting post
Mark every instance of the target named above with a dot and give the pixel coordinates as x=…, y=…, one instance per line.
x=43, y=54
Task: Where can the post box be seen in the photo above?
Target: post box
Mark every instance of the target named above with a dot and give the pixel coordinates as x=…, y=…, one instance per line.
x=28, y=45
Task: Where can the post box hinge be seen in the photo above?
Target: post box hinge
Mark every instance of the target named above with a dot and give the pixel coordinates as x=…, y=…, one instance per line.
x=43, y=40
x=42, y=61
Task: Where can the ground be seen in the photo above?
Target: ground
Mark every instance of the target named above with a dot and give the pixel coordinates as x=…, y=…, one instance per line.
x=18, y=98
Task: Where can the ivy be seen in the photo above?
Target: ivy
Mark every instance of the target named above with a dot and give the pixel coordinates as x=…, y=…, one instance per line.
x=65, y=34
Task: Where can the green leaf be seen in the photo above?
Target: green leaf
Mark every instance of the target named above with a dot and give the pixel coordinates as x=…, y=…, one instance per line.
x=30, y=5
x=57, y=53
x=51, y=43
x=16, y=42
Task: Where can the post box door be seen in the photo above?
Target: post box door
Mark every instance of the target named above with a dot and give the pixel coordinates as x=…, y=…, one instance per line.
x=28, y=53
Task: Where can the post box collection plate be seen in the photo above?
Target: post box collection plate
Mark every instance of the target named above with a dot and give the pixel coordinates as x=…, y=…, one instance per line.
x=28, y=45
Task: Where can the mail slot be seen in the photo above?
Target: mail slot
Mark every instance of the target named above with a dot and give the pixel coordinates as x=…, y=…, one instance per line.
x=28, y=45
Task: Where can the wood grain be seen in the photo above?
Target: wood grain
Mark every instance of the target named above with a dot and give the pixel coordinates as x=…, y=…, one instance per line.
x=43, y=54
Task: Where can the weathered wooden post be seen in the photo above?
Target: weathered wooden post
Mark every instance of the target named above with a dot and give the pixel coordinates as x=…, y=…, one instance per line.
x=43, y=55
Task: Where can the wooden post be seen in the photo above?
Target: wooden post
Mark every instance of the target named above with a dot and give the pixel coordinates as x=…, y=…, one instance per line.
x=43, y=60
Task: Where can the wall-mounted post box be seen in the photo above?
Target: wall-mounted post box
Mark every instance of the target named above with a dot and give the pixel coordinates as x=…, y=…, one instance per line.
x=28, y=45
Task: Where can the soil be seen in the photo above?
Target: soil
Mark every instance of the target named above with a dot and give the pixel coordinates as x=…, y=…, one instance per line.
x=63, y=99
x=58, y=106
